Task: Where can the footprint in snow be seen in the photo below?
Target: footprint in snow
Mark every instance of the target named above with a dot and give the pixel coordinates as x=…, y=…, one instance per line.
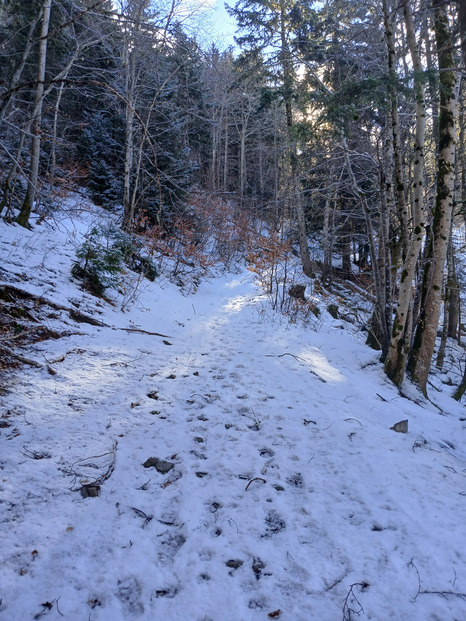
x=170, y=544
x=129, y=593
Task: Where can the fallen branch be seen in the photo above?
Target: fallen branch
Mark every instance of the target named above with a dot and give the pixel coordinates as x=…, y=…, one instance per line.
x=23, y=359
x=81, y=318
x=76, y=350
x=74, y=314
x=433, y=386
x=144, y=332
x=16, y=336
x=285, y=354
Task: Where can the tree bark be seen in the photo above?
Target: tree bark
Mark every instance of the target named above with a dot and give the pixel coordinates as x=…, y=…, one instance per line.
x=286, y=64
x=462, y=21
x=400, y=343
x=25, y=212
x=431, y=296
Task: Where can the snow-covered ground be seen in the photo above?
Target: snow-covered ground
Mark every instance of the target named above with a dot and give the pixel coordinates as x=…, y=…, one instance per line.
x=288, y=494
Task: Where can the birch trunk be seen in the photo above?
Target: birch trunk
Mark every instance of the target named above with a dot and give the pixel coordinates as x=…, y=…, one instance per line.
x=25, y=212
x=400, y=344
x=20, y=68
x=130, y=84
x=431, y=298
x=399, y=178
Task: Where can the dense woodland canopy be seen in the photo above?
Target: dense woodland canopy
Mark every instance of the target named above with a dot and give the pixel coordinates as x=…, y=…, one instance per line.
x=341, y=121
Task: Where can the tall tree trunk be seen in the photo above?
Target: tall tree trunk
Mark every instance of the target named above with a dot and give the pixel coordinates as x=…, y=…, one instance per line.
x=129, y=66
x=400, y=342
x=459, y=392
x=381, y=320
x=287, y=68
x=451, y=303
x=8, y=187
x=25, y=212
x=398, y=169
x=327, y=235
x=462, y=21
x=20, y=68
x=431, y=296
x=225, y=158
x=380, y=301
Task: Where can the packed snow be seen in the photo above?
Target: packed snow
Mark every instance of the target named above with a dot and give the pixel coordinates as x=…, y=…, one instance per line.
x=197, y=457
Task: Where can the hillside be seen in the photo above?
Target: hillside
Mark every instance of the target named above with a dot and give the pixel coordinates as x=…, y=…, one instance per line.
x=194, y=456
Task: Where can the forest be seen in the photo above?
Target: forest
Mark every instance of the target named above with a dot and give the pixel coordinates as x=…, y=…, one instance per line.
x=339, y=123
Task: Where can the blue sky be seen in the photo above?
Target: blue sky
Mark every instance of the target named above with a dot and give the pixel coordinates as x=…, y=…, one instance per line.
x=224, y=24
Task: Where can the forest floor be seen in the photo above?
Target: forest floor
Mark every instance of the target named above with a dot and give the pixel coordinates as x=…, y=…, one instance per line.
x=197, y=457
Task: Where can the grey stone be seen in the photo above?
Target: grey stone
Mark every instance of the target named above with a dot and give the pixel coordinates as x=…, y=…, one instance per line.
x=401, y=427
x=159, y=464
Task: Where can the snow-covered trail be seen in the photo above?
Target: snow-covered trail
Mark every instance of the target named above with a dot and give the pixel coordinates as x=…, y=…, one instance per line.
x=288, y=497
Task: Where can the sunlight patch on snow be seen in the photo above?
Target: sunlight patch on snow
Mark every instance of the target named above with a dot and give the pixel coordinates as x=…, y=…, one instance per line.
x=236, y=282
x=321, y=366
x=235, y=305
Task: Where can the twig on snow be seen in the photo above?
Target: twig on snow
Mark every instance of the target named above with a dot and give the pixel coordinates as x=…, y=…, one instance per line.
x=352, y=600
x=47, y=607
x=300, y=360
x=336, y=582
x=442, y=593
x=433, y=386
x=355, y=420
x=106, y=475
x=252, y=480
x=147, y=518
x=34, y=454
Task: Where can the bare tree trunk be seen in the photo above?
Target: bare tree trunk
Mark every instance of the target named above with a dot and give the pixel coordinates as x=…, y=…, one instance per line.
x=62, y=75
x=459, y=392
x=19, y=70
x=326, y=238
x=225, y=159
x=462, y=21
x=400, y=344
x=399, y=177
x=130, y=85
x=426, y=330
x=23, y=217
x=297, y=195
x=381, y=320
x=9, y=184
x=379, y=289
x=451, y=305
x=444, y=338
